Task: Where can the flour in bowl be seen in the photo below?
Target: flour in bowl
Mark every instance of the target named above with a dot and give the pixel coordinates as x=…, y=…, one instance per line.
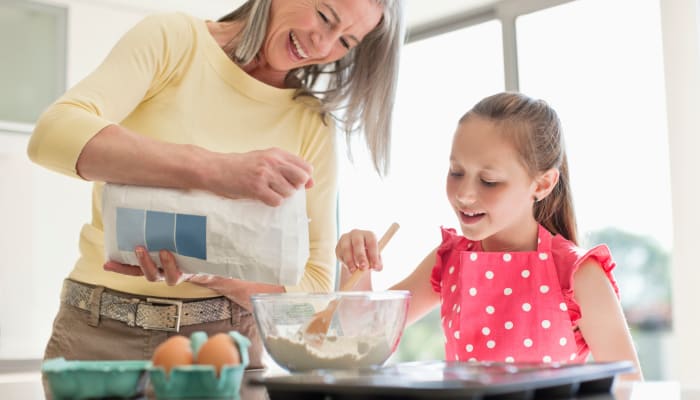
x=336, y=352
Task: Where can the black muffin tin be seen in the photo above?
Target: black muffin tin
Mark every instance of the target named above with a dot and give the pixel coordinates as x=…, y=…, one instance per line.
x=448, y=380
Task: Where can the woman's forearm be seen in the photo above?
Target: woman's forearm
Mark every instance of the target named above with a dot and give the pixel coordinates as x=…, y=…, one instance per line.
x=118, y=155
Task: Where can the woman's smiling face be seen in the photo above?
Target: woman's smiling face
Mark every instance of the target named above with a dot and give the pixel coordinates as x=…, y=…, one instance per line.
x=307, y=32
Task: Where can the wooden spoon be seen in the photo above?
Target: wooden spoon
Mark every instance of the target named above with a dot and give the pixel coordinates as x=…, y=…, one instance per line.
x=314, y=332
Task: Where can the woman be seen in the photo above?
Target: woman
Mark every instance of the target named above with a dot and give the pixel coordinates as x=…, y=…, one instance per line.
x=242, y=108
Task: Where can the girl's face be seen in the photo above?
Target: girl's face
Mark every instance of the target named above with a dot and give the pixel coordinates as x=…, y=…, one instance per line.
x=489, y=189
x=305, y=32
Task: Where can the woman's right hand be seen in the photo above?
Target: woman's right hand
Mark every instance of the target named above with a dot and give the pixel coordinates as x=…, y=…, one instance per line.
x=118, y=155
x=269, y=175
x=358, y=249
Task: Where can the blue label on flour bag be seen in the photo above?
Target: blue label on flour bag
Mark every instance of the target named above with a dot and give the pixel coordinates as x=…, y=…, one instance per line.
x=182, y=234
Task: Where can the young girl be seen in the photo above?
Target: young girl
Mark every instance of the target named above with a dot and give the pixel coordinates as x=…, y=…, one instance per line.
x=515, y=287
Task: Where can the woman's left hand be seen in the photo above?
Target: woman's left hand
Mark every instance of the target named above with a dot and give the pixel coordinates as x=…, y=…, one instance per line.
x=147, y=268
x=236, y=290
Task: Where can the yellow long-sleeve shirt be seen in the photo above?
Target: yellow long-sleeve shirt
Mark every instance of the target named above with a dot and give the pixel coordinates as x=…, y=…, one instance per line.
x=168, y=79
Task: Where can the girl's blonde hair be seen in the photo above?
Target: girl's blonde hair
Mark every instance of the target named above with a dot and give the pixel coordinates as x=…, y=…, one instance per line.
x=535, y=130
x=362, y=84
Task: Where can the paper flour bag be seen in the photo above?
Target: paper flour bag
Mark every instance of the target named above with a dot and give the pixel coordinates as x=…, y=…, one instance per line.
x=243, y=239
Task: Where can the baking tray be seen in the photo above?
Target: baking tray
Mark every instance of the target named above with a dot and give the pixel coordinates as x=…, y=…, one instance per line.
x=448, y=380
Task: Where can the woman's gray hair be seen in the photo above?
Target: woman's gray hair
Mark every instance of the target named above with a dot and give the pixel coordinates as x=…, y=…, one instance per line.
x=361, y=85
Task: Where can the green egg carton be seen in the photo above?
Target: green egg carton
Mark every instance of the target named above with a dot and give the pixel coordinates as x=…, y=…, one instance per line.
x=200, y=381
x=73, y=379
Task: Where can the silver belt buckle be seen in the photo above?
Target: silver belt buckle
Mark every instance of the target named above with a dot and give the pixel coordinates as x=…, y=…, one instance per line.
x=178, y=306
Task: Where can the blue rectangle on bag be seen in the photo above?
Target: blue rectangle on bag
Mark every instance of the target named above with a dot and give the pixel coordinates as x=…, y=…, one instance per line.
x=160, y=231
x=130, y=228
x=191, y=235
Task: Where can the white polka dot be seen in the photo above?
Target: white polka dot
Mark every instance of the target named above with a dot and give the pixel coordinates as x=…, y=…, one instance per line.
x=562, y=341
x=543, y=256
x=507, y=291
x=546, y=324
x=453, y=288
x=509, y=325
x=485, y=331
x=510, y=359
x=491, y=344
x=449, y=324
x=454, y=306
x=546, y=359
x=544, y=289
x=573, y=356
x=539, y=240
x=472, y=359
x=527, y=342
x=469, y=348
x=452, y=269
x=442, y=319
x=507, y=257
x=459, y=308
x=470, y=245
x=456, y=334
x=525, y=273
x=472, y=292
x=563, y=306
x=457, y=357
x=527, y=307
x=490, y=310
x=473, y=256
x=489, y=274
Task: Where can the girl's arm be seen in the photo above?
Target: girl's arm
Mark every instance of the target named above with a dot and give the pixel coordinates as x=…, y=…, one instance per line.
x=423, y=297
x=359, y=249
x=602, y=322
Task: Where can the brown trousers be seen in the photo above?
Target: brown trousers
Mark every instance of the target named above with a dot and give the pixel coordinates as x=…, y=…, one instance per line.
x=73, y=338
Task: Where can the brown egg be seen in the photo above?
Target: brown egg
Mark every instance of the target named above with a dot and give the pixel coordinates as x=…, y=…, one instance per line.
x=173, y=352
x=219, y=350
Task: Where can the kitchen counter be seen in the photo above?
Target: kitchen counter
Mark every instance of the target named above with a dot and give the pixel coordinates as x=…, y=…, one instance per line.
x=27, y=386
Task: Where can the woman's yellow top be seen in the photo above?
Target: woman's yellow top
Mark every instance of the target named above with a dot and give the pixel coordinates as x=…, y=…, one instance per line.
x=168, y=79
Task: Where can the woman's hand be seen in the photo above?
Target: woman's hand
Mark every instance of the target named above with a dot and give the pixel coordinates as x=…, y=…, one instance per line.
x=269, y=175
x=170, y=272
x=358, y=249
x=117, y=155
x=236, y=290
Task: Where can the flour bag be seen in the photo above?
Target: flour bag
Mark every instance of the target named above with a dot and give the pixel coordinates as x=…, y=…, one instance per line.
x=243, y=239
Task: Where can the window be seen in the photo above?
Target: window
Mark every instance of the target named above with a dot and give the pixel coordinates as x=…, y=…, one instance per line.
x=600, y=65
x=607, y=84
x=33, y=67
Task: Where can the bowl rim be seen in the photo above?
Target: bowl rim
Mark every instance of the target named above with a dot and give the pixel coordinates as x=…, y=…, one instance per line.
x=375, y=295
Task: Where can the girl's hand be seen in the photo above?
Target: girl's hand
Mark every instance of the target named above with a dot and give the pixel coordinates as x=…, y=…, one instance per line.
x=358, y=249
x=170, y=273
x=269, y=175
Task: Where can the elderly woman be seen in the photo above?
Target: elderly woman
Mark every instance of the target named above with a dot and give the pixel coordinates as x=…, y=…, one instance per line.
x=243, y=108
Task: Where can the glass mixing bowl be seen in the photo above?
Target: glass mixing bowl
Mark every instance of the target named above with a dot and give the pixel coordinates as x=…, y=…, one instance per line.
x=364, y=330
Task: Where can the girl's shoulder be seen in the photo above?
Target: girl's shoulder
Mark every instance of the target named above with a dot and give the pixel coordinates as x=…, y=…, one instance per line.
x=452, y=240
x=568, y=257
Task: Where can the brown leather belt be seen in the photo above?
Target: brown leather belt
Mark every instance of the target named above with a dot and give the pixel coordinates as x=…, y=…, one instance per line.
x=147, y=313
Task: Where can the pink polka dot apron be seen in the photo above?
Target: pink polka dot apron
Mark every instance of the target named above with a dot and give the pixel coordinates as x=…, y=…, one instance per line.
x=506, y=307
